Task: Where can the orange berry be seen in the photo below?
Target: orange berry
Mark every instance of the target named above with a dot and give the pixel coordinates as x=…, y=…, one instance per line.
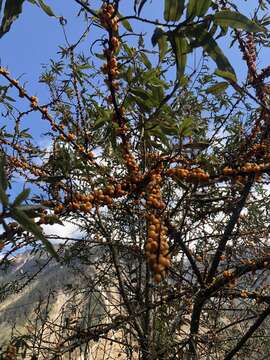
x=151, y=246
x=157, y=278
x=70, y=137
x=152, y=235
x=158, y=268
x=164, y=261
x=34, y=99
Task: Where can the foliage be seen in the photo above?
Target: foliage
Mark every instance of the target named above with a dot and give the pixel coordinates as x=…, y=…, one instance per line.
x=162, y=167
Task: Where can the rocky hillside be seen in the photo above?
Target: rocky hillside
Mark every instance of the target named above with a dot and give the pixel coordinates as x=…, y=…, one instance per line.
x=34, y=286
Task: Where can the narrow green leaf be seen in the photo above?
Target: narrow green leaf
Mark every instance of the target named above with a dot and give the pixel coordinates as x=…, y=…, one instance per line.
x=226, y=75
x=214, y=51
x=191, y=9
x=100, y=56
x=32, y=211
x=46, y=8
x=21, y=197
x=173, y=9
x=160, y=37
x=180, y=49
x=3, y=197
x=202, y=7
x=30, y=226
x=125, y=23
x=146, y=61
x=143, y=94
x=186, y=127
x=13, y=9
x=3, y=178
x=163, y=47
x=217, y=88
x=237, y=21
x=99, y=123
x=197, y=8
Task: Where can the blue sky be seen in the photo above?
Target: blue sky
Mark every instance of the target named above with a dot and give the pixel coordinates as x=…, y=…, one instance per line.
x=35, y=37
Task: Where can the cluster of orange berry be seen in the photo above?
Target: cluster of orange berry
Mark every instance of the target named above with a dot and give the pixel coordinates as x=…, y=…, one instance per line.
x=250, y=55
x=227, y=171
x=227, y=274
x=252, y=167
x=154, y=197
x=192, y=175
x=25, y=166
x=157, y=247
x=110, y=21
x=111, y=67
x=70, y=137
x=119, y=120
x=135, y=175
x=17, y=147
x=107, y=17
x=34, y=102
x=246, y=168
x=244, y=294
x=85, y=202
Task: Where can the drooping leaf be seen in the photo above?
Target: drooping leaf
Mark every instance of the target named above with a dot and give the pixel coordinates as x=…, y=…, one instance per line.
x=30, y=226
x=21, y=197
x=173, y=9
x=160, y=37
x=236, y=21
x=180, y=48
x=13, y=9
x=205, y=40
